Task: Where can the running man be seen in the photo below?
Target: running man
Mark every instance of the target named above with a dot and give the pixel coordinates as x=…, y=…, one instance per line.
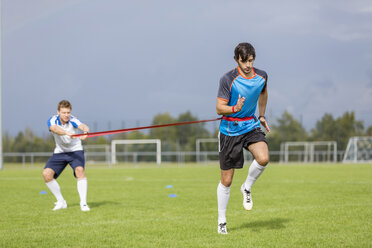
x=239, y=92
x=69, y=150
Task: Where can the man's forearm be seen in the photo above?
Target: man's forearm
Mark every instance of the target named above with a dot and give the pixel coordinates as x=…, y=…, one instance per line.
x=225, y=110
x=84, y=128
x=58, y=130
x=262, y=102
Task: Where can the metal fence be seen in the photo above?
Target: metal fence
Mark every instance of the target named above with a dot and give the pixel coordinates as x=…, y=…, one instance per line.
x=181, y=157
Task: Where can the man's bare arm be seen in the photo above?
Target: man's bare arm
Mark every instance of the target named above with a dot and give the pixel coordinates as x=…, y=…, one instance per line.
x=224, y=109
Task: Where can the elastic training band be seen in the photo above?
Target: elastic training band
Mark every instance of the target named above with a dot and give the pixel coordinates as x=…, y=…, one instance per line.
x=237, y=119
x=95, y=134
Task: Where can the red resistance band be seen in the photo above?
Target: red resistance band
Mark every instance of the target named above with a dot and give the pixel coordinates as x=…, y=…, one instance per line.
x=237, y=119
x=95, y=134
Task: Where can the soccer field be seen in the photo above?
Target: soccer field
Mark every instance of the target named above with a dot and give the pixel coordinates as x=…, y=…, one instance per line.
x=322, y=205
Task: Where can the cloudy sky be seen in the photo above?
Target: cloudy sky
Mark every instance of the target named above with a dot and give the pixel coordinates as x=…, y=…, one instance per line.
x=121, y=62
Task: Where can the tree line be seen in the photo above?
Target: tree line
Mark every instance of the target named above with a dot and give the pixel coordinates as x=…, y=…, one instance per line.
x=183, y=138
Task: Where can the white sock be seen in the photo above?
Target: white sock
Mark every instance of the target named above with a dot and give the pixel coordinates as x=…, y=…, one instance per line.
x=55, y=189
x=255, y=170
x=82, y=187
x=223, y=195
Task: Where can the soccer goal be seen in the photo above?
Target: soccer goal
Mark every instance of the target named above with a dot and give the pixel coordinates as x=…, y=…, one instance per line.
x=205, y=153
x=323, y=151
x=308, y=152
x=358, y=150
x=157, y=142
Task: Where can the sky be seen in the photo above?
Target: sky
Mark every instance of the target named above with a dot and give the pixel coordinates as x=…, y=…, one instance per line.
x=121, y=62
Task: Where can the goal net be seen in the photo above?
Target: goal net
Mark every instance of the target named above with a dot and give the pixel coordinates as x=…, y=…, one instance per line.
x=359, y=150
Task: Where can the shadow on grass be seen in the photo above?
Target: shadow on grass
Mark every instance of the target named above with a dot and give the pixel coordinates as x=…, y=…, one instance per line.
x=97, y=204
x=276, y=223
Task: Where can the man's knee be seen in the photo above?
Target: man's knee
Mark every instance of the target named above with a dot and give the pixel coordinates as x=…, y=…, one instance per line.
x=79, y=172
x=226, y=179
x=263, y=160
x=226, y=182
x=48, y=175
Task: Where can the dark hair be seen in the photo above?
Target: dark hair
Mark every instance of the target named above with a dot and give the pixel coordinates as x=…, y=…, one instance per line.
x=64, y=104
x=244, y=50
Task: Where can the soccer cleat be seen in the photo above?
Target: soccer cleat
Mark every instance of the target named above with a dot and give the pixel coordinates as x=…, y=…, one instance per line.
x=247, y=198
x=221, y=228
x=60, y=205
x=84, y=208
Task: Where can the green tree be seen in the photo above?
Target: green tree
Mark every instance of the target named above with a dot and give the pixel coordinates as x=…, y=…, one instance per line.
x=165, y=134
x=100, y=140
x=369, y=131
x=325, y=129
x=347, y=127
x=181, y=137
x=339, y=130
x=7, y=142
x=27, y=141
x=286, y=128
x=187, y=134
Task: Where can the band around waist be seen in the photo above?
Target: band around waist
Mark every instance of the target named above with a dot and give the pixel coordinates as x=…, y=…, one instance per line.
x=237, y=119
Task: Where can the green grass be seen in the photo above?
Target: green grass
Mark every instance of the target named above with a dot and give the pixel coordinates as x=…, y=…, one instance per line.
x=323, y=205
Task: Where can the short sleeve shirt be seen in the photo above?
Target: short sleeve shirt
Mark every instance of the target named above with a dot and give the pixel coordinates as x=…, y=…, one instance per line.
x=65, y=143
x=233, y=84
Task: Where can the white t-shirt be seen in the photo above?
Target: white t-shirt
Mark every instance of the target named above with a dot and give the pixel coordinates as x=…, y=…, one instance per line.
x=65, y=143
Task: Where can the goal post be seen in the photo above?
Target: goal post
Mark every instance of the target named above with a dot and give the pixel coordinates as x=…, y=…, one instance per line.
x=329, y=152
x=136, y=141
x=358, y=150
x=305, y=152
x=309, y=151
x=198, y=142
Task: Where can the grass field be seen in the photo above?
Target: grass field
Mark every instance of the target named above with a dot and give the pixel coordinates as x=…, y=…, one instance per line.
x=322, y=205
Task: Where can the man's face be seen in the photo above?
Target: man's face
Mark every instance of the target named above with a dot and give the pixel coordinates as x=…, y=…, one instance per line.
x=246, y=66
x=64, y=114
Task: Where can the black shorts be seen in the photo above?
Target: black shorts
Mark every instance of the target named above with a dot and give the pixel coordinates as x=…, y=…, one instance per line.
x=59, y=161
x=231, y=148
